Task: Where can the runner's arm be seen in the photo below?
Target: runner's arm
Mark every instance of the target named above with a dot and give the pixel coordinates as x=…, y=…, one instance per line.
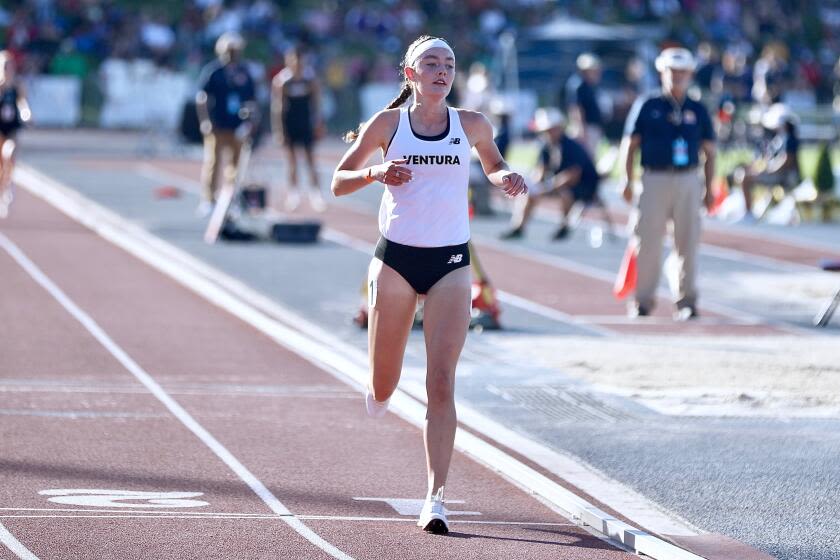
x=351, y=173
x=480, y=134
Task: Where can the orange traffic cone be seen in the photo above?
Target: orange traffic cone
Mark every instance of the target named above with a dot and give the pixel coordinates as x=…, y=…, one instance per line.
x=625, y=282
x=485, y=305
x=167, y=191
x=720, y=190
x=361, y=317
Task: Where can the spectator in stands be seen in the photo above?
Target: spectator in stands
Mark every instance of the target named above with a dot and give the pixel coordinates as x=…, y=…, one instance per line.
x=227, y=111
x=582, y=100
x=780, y=162
x=708, y=66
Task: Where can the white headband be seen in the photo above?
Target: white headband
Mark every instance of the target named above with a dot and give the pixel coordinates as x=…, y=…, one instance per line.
x=422, y=48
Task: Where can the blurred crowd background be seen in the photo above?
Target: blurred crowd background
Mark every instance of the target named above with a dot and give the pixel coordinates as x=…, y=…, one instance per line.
x=750, y=53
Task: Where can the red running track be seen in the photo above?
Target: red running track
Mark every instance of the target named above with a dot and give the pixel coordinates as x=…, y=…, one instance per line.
x=74, y=418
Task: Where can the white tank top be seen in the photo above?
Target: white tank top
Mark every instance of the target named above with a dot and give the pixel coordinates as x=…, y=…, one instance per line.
x=433, y=209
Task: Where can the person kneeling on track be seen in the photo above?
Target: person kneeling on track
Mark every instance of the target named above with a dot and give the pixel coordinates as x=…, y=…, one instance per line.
x=779, y=164
x=565, y=170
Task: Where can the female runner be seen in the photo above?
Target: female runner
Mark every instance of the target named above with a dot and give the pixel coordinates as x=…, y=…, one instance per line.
x=422, y=251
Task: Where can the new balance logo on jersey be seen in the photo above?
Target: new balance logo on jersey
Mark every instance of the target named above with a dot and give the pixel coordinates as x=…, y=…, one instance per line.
x=455, y=259
x=454, y=140
x=432, y=160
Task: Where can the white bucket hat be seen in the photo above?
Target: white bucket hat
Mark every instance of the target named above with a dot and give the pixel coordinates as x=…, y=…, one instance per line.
x=675, y=58
x=588, y=61
x=777, y=115
x=546, y=118
x=229, y=40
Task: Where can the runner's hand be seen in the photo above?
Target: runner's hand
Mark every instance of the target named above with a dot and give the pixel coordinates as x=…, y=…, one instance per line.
x=514, y=184
x=392, y=172
x=708, y=200
x=627, y=192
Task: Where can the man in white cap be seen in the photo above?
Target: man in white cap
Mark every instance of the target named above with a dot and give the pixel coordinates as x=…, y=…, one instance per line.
x=226, y=107
x=671, y=131
x=565, y=169
x=582, y=102
x=780, y=162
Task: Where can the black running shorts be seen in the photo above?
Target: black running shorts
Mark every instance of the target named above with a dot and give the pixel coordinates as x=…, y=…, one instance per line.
x=422, y=267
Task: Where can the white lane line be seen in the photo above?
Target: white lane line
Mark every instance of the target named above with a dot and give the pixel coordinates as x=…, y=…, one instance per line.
x=662, y=320
x=608, y=277
x=345, y=518
x=341, y=238
x=713, y=250
x=10, y=542
x=176, y=409
x=154, y=173
x=349, y=365
x=77, y=414
x=304, y=517
x=232, y=515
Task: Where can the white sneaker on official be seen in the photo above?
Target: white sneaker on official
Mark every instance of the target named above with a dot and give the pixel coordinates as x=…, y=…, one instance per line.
x=375, y=408
x=433, y=515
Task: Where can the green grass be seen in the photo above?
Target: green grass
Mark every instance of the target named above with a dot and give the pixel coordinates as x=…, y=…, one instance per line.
x=524, y=155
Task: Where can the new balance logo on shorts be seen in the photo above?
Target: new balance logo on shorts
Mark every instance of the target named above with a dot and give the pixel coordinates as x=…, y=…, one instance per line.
x=454, y=140
x=455, y=259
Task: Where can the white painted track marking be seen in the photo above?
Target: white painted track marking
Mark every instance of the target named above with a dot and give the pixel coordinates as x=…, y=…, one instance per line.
x=10, y=542
x=122, y=498
x=176, y=409
x=346, y=363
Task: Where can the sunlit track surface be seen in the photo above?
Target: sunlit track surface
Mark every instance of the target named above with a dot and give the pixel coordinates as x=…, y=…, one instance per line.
x=706, y=425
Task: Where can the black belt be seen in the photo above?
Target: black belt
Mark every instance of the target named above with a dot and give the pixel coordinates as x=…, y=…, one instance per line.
x=670, y=168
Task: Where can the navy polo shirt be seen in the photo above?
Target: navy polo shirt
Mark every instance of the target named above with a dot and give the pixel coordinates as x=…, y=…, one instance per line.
x=580, y=92
x=228, y=88
x=572, y=154
x=659, y=122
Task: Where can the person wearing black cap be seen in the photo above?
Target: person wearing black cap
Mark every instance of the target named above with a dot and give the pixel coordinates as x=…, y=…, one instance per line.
x=670, y=130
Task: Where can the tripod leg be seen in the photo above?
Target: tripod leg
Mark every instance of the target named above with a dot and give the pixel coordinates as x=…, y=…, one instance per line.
x=822, y=318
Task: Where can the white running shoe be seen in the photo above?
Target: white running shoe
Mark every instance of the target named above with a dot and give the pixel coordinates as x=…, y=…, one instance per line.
x=292, y=200
x=316, y=201
x=433, y=515
x=375, y=408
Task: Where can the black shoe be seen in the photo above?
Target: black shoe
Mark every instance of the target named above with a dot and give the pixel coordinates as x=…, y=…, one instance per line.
x=515, y=233
x=686, y=313
x=637, y=311
x=561, y=233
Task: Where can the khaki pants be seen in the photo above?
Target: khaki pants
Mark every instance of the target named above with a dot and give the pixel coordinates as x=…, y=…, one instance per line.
x=215, y=145
x=667, y=196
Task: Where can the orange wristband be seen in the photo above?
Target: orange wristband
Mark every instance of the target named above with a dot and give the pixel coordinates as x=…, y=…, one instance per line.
x=368, y=178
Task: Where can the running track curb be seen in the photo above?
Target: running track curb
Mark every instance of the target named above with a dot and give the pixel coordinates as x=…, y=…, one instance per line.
x=200, y=279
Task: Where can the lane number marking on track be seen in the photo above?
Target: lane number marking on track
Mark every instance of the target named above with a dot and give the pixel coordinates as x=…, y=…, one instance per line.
x=123, y=498
x=404, y=506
